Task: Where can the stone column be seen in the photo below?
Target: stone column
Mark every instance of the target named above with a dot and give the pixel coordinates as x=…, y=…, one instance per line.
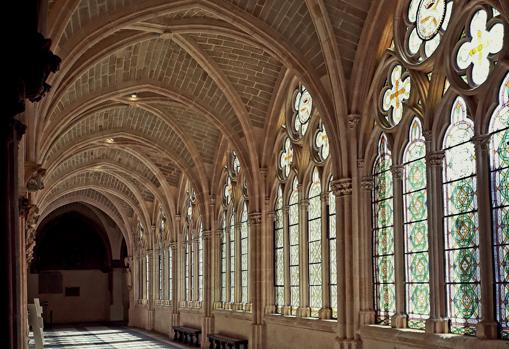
x=304, y=308
x=236, y=299
x=175, y=319
x=438, y=322
x=487, y=328
x=326, y=310
x=207, y=321
x=367, y=314
x=400, y=319
x=268, y=262
x=256, y=277
x=342, y=189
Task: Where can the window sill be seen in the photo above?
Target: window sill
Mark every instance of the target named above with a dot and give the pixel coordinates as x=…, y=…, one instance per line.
x=374, y=335
x=190, y=310
x=324, y=325
x=234, y=314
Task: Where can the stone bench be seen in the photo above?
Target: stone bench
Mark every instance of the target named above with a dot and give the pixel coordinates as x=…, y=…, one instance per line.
x=186, y=334
x=220, y=341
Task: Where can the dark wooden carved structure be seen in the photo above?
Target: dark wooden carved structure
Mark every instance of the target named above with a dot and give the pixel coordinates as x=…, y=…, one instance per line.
x=220, y=341
x=187, y=335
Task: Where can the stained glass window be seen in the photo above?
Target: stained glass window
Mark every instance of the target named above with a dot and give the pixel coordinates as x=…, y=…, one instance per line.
x=170, y=273
x=244, y=262
x=231, y=246
x=141, y=279
x=161, y=270
x=417, y=290
x=303, y=107
x=223, y=259
x=321, y=143
x=187, y=272
x=294, y=239
x=285, y=158
x=147, y=276
x=279, y=260
x=315, y=244
x=333, y=277
x=200, y=264
x=395, y=93
x=383, y=234
x=499, y=150
x=428, y=20
x=482, y=41
x=461, y=223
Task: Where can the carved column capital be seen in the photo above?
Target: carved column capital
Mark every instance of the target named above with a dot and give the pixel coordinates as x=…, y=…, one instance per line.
x=361, y=163
x=35, y=181
x=342, y=187
x=435, y=158
x=367, y=183
x=482, y=142
x=212, y=200
x=255, y=218
x=428, y=135
x=397, y=171
x=353, y=120
x=304, y=203
x=207, y=234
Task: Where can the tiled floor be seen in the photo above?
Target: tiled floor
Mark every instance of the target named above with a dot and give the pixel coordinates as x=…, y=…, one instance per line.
x=103, y=337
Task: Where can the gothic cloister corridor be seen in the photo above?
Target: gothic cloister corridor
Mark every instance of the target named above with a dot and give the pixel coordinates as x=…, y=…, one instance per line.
x=256, y=174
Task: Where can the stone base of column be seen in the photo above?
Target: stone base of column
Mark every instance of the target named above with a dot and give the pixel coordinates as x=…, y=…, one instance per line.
x=487, y=330
x=270, y=309
x=130, y=321
x=256, y=336
x=349, y=344
x=174, y=321
x=207, y=327
x=399, y=320
x=366, y=317
x=437, y=325
x=287, y=310
x=150, y=319
x=304, y=311
x=325, y=313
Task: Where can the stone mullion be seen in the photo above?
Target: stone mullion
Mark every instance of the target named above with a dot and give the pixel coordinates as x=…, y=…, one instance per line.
x=366, y=252
x=216, y=253
x=267, y=266
x=326, y=311
x=488, y=326
x=255, y=277
x=237, y=298
x=400, y=319
x=286, y=253
x=438, y=322
x=304, y=308
x=342, y=189
x=173, y=247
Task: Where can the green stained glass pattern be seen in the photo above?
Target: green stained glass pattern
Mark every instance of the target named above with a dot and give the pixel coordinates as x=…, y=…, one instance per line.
x=333, y=276
x=244, y=255
x=499, y=175
x=461, y=223
x=170, y=274
x=383, y=234
x=315, y=244
x=293, y=237
x=200, y=264
x=279, y=260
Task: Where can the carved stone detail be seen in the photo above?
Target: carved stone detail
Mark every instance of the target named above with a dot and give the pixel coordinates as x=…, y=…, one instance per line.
x=34, y=182
x=397, y=171
x=31, y=213
x=482, y=142
x=353, y=120
x=342, y=187
x=367, y=183
x=435, y=158
x=255, y=218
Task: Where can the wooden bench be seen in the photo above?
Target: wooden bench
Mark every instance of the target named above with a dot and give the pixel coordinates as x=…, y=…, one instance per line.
x=219, y=341
x=186, y=334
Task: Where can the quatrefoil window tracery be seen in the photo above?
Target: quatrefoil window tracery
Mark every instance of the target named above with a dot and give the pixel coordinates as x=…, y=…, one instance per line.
x=303, y=107
x=285, y=158
x=474, y=53
x=321, y=143
x=395, y=94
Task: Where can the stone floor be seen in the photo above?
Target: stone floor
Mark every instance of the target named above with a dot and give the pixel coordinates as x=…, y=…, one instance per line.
x=103, y=337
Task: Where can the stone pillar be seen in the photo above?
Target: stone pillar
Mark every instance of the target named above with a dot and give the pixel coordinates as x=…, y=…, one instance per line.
x=268, y=261
x=304, y=308
x=207, y=320
x=400, y=319
x=438, y=321
x=367, y=314
x=326, y=310
x=342, y=189
x=256, y=284
x=487, y=328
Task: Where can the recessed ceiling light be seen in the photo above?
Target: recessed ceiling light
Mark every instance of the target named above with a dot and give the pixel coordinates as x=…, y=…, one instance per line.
x=109, y=140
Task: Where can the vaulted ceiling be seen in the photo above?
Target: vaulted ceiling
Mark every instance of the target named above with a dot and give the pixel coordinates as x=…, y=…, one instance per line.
x=149, y=91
